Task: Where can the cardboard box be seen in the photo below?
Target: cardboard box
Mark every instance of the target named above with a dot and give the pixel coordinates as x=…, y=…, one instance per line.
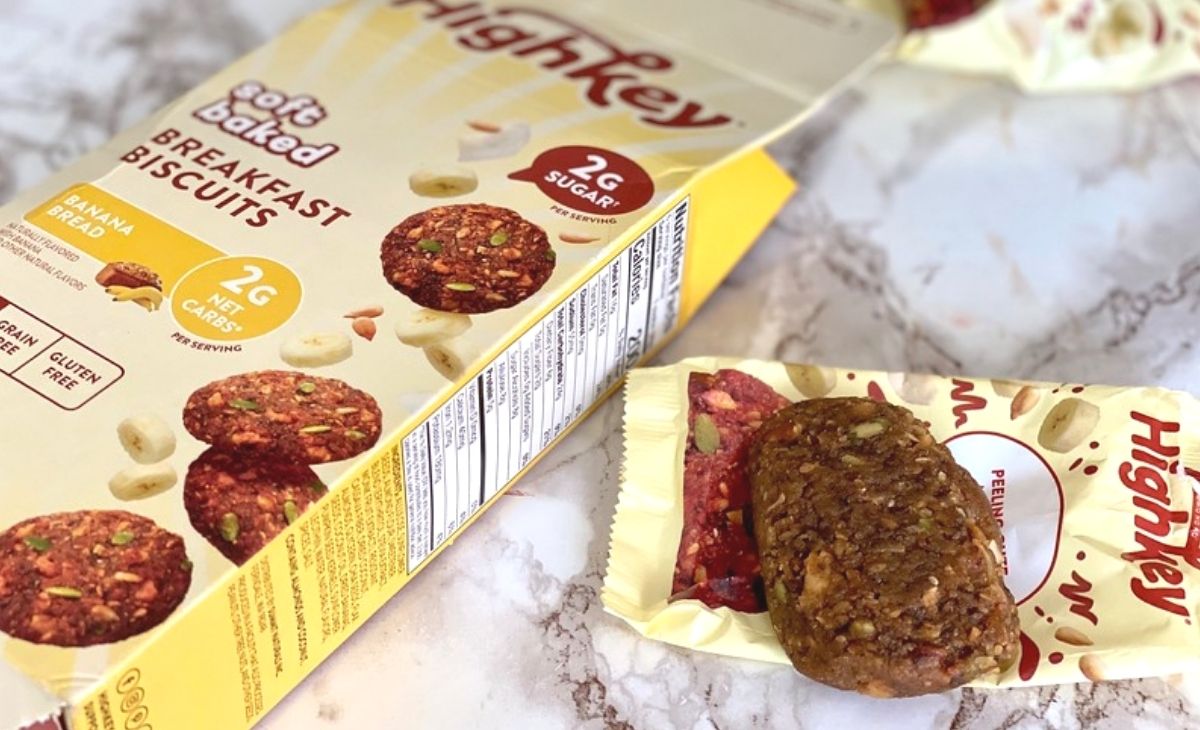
x=340, y=297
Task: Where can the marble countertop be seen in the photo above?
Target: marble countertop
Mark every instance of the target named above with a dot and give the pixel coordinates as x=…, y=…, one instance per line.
x=944, y=223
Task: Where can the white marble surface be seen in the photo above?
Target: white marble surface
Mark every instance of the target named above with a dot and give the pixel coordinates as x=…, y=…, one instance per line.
x=945, y=224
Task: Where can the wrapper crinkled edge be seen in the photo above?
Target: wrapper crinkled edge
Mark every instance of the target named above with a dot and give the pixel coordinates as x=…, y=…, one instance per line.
x=1097, y=517
x=1068, y=46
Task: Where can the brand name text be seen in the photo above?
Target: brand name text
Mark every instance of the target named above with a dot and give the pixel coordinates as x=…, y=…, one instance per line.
x=609, y=74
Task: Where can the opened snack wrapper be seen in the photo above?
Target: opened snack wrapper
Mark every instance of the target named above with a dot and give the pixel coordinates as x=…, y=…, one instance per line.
x=1093, y=487
x=1052, y=45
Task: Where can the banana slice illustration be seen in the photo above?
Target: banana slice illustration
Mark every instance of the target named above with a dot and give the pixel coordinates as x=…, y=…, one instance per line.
x=810, y=380
x=142, y=480
x=506, y=141
x=147, y=439
x=426, y=327
x=446, y=181
x=316, y=349
x=451, y=357
x=916, y=388
x=1068, y=424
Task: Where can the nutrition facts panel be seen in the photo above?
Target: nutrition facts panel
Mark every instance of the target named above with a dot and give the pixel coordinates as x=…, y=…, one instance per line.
x=472, y=446
x=54, y=365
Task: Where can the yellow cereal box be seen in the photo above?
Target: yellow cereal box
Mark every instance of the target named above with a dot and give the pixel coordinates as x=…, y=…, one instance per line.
x=268, y=352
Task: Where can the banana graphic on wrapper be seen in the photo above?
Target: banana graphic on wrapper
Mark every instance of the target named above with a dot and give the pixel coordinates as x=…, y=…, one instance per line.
x=1068, y=424
x=451, y=357
x=445, y=181
x=149, y=441
x=917, y=388
x=493, y=141
x=812, y=381
x=438, y=334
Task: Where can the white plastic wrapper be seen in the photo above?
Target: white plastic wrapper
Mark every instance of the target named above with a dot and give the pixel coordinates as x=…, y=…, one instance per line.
x=1062, y=45
x=1093, y=487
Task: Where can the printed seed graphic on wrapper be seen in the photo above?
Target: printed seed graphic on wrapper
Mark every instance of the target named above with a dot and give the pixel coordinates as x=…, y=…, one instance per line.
x=1092, y=487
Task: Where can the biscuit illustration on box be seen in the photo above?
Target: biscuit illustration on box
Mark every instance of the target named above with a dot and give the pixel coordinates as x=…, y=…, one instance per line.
x=89, y=577
x=127, y=281
x=467, y=259
x=128, y=274
x=240, y=503
x=284, y=415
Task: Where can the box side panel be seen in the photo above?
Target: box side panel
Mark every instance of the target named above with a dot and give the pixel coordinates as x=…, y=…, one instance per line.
x=734, y=204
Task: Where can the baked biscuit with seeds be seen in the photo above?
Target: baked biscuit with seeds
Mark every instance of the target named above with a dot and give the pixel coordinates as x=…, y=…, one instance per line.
x=89, y=577
x=240, y=503
x=880, y=554
x=467, y=259
x=284, y=416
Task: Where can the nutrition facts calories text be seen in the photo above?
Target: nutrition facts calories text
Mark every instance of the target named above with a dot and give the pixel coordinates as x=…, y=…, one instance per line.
x=475, y=444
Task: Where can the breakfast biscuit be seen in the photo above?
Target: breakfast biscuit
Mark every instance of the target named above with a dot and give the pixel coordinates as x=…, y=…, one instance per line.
x=285, y=416
x=89, y=577
x=467, y=259
x=240, y=503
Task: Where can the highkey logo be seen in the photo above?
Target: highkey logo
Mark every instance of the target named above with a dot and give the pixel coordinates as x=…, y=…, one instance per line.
x=609, y=74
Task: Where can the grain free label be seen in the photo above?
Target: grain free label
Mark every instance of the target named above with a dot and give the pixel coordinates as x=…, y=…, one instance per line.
x=49, y=362
x=22, y=337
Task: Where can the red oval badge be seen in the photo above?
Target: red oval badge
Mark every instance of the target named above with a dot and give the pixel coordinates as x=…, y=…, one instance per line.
x=589, y=179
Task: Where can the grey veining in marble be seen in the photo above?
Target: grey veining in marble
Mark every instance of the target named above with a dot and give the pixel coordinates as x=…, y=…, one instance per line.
x=946, y=224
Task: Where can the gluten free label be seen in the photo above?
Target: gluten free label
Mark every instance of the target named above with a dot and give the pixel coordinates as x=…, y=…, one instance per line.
x=52, y=364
